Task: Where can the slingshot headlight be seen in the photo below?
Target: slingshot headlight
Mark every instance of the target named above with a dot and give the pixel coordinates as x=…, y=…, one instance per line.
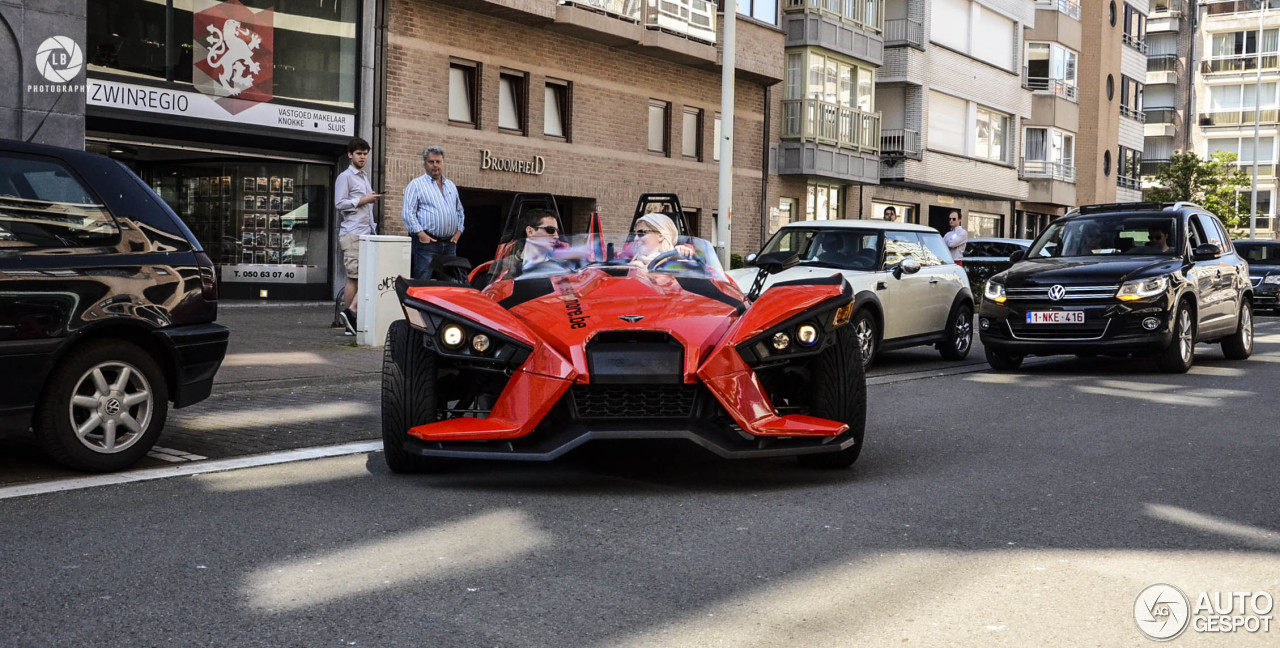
x=780, y=341
x=452, y=336
x=807, y=334
x=480, y=343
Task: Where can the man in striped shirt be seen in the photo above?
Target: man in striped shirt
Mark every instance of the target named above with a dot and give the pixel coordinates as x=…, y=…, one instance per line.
x=432, y=213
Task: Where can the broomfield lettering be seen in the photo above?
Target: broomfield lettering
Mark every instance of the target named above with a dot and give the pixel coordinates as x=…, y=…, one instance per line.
x=531, y=167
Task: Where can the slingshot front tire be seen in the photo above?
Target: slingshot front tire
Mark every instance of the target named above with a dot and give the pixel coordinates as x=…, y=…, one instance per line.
x=408, y=396
x=839, y=381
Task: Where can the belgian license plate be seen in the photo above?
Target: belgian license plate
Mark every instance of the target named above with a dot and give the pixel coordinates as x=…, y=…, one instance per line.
x=1055, y=317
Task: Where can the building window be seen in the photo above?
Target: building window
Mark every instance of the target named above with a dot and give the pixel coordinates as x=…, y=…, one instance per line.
x=555, y=114
x=1135, y=29
x=905, y=213
x=823, y=202
x=464, y=95
x=1238, y=51
x=966, y=128
x=691, y=133
x=1131, y=99
x=1242, y=148
x=1051, y=67
x=715, y=149
x=985, y=225
x=1129, y=168
x=975, y=30
x=513, y=106
x=762, y=10
x=659, y=126
x=1049, y=153
x=1106, y=163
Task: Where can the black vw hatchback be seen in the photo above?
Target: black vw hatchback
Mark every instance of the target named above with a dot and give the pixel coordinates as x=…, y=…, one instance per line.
x=1131, y=278
x=107, y=308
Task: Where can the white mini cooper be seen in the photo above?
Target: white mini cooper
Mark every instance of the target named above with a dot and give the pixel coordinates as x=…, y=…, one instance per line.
x=907, y=290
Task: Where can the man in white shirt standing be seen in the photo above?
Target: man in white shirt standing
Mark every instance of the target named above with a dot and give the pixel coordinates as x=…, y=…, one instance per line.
x=957, y=239
x=353, y=197
x=432, y=213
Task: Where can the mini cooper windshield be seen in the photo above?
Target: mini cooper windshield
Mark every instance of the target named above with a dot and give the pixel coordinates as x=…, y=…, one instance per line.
x=1112, y=234
x=645, y=251
x=845, y=248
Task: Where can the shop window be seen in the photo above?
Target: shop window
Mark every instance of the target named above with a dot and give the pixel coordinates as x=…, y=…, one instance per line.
x=512, y=107
x=904, y=213
x=555, y=116
x=42, y=204
x=823, y=202
x=659, y=126
x=691, y=133
x=985, y=225
x=463, y=92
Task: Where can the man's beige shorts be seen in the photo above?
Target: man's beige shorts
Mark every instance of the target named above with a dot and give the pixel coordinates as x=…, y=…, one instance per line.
x=350, y=245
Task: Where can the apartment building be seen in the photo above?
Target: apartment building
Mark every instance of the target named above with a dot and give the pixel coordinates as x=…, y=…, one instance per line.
x=829, y=130
x=952, y=106
x=1236, y=92
x=592, y=101
x=1113, y=73
x=1051, y=73
x=1167, y=100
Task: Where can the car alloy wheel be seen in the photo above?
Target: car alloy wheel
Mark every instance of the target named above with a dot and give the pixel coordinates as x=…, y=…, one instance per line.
x=111, y=407
x=865, y=330
x=964, y=331
x=1246, y=327
x=1184, y=335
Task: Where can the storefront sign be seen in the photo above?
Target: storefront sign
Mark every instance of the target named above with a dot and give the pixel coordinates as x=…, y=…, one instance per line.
x=233, y=53
x=531, y=167
x=265, y=273
x=113, y=94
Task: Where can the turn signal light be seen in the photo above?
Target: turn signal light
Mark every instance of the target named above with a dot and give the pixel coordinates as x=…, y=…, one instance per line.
x=843, y=314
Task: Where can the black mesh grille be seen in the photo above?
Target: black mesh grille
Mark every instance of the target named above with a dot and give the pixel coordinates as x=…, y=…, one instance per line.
x=634, y=401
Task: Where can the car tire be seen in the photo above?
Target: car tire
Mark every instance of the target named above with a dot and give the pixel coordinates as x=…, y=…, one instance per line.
x=839, y=383
x=1239, y=345
x=1003, y=360
x=867, y=337
x=959, y=334
x=408, y=396
x=1180, y=354
x=100, y=388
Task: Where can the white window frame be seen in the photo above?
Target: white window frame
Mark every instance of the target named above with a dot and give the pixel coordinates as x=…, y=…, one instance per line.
x=968, y=30
x=972, y=111
x=556, y=113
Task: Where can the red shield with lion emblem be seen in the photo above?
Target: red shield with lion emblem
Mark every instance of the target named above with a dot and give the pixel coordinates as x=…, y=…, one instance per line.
x=232, y=53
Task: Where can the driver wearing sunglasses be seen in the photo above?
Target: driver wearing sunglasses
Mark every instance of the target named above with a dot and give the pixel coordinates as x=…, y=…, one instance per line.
x=656, y=234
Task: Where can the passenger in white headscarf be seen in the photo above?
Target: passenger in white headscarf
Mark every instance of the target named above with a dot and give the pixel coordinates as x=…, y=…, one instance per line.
x=656, y=234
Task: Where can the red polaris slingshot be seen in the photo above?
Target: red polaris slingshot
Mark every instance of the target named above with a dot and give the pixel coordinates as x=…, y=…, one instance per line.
x=572, y=339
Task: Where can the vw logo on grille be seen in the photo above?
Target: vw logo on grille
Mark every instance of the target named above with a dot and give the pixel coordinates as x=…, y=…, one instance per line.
x=631, y=318
x=1056, y=292
x=113, y=407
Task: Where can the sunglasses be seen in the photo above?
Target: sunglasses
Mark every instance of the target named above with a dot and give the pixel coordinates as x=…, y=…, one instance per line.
x=550, y=229
x=645, y=232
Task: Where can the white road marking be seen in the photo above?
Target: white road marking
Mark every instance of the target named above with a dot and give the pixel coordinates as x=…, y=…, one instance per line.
x=186, y=469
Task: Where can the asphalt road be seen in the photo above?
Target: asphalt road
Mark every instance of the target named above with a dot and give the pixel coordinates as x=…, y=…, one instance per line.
x=988, y=509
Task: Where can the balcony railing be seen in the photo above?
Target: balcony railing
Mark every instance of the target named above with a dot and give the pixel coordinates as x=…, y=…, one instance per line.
x=900, y=32
x=899, y=142
x=1152, y=167
x=1238, y=117
x=1158, y=7
x=1069, y=7
x=624, y=9
x=1134, y=42
x=1060, y=87
x=812, y=120
x=1164, y=63
x=693, y=19
x=1239, y=63
x=1222, y=7
x=1132, y=113
x=1033, y=169
x=1129, y=183
x=1161, y=116
x=1265, y=169
x=864, y=13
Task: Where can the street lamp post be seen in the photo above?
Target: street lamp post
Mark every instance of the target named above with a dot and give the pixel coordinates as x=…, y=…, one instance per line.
x=1257, y=121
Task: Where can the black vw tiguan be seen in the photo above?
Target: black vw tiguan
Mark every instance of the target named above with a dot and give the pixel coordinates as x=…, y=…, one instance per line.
x=1132, y=278
x=107, y=308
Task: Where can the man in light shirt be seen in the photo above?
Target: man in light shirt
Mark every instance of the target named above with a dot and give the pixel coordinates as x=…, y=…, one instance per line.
x=433, y=214
x=957, y=239
x=354, y=198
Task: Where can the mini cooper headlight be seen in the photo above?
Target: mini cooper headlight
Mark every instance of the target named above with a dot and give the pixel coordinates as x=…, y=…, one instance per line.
x=1142, y=288
x=807, y=334
x=1272, y=279
x=781, y=341
x=994, y=291
x=480, y=343
x=452, y=336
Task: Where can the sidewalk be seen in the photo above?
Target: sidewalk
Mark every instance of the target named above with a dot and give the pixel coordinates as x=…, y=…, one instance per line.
x=289, y=341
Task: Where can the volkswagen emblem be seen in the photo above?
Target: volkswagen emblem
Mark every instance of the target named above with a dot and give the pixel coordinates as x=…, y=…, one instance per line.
x=113, y=407
x=1056, y=292
x=631, y=318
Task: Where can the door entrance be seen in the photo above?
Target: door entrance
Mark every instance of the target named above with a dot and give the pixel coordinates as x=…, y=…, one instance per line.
x=938, y=218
